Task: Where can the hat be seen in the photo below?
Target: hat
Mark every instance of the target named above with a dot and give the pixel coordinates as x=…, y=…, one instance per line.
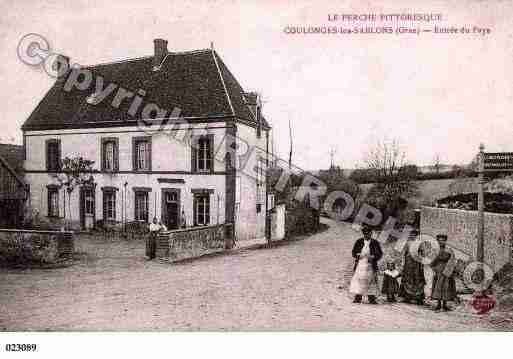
x=441, y=237
x=366, y=228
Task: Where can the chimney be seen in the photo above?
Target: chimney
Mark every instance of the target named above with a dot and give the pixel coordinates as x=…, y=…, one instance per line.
x=160, y=52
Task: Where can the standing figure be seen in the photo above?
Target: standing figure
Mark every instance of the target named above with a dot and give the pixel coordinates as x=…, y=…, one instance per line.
x=390, y=284
x=444, y=285
x=413, y=280
x=366, y=253
x=151, y=242
x=162, y=226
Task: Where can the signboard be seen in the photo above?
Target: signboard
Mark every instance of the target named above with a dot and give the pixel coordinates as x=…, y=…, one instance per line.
x=498, y=161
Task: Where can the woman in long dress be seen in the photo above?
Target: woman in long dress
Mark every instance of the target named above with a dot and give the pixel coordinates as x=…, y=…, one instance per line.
x=366, y=252
x=413, y=280
x=444, y=285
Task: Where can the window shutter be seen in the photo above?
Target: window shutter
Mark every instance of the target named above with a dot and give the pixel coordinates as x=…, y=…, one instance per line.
x=49, y=199
x=210, y=157
x=82, y=206
x=116, y=156
x=48, y=157
x=104, y=200
x=194, y=154
x=134, y=154
x=207, y=209
x=102, y=154
x=114, y=215
x=194, y=210
x=148, y=154
x=94, y=204
x=59, y=155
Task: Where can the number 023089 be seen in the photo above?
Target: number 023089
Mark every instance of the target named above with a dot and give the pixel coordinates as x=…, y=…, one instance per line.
x=20, y=347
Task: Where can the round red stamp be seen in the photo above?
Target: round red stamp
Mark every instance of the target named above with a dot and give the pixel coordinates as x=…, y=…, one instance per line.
x=483, y=303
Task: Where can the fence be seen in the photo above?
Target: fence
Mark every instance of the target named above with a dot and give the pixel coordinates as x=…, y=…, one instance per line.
x=39, y=248
x=461, y=229
x=193, y=242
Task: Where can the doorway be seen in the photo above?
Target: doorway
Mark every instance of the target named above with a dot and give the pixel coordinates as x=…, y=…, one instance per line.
x=87, y=207
x=171, y=208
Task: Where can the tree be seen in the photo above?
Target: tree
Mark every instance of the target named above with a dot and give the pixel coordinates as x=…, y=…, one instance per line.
x=363, y=175
x=76, y=171
x=395, y=178
x=437, y=163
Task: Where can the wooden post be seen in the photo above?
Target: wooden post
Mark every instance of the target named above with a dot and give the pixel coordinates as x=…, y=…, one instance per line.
x=480, y=207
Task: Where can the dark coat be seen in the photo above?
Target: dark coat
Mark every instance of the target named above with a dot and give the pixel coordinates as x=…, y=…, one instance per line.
x=375, y=250
x=444, y=288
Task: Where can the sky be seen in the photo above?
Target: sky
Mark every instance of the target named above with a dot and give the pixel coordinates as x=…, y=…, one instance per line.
x=437, y=94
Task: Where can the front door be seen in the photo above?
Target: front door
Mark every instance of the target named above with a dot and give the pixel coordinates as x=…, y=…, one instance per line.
x=87, y=206
x=171, y=208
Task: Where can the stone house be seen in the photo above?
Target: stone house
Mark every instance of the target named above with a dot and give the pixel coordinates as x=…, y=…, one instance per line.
x=173, y=136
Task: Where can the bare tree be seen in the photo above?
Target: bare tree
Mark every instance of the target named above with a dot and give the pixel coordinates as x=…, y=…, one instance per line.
x=437, y=163
x=395, y=180
x=76, y=171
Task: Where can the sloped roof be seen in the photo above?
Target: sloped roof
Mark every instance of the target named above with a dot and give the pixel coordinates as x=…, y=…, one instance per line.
x=196, y=82
x=13, y=155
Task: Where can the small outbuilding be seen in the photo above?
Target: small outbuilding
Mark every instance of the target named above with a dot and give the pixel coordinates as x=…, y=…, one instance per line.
x=13, y=190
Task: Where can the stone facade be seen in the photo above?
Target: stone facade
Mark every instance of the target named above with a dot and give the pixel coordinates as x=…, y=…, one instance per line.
x=461, y=229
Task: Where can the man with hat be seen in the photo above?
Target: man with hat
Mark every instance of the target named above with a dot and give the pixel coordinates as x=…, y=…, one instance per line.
x=366, y=253
x=444, y=285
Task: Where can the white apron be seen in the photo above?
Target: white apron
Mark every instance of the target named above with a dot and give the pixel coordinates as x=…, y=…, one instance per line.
x=364, y=281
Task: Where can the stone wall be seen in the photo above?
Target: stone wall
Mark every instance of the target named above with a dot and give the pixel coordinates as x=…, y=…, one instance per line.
x=39, y=248
x=461, y=229
x=194, y=242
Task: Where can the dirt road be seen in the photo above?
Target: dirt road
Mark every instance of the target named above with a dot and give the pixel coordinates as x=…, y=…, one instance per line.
x=290, y=287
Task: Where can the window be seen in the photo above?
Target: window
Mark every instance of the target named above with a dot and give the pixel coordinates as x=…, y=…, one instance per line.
x=201, y=209
x=142, y=153
x=141, y=206
x=53, y=155
x=53, y=202
x=89, y=201
x=110, y=158
x=259, y=122
x=109, y=204
x=202, y=153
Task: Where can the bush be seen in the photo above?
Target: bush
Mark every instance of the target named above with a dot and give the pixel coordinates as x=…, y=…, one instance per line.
x=20, y=249
x=301, y=219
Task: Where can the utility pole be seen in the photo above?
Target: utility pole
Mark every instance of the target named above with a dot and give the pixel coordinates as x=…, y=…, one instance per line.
x=332, y=155
x=480, y=207
x=291, y=145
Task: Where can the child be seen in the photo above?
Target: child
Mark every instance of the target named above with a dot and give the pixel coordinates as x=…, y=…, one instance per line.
x=390, y=284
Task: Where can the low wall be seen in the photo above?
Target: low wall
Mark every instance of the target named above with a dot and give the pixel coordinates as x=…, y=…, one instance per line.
x=461, y=229
x=38, y=248
x=193, y=242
